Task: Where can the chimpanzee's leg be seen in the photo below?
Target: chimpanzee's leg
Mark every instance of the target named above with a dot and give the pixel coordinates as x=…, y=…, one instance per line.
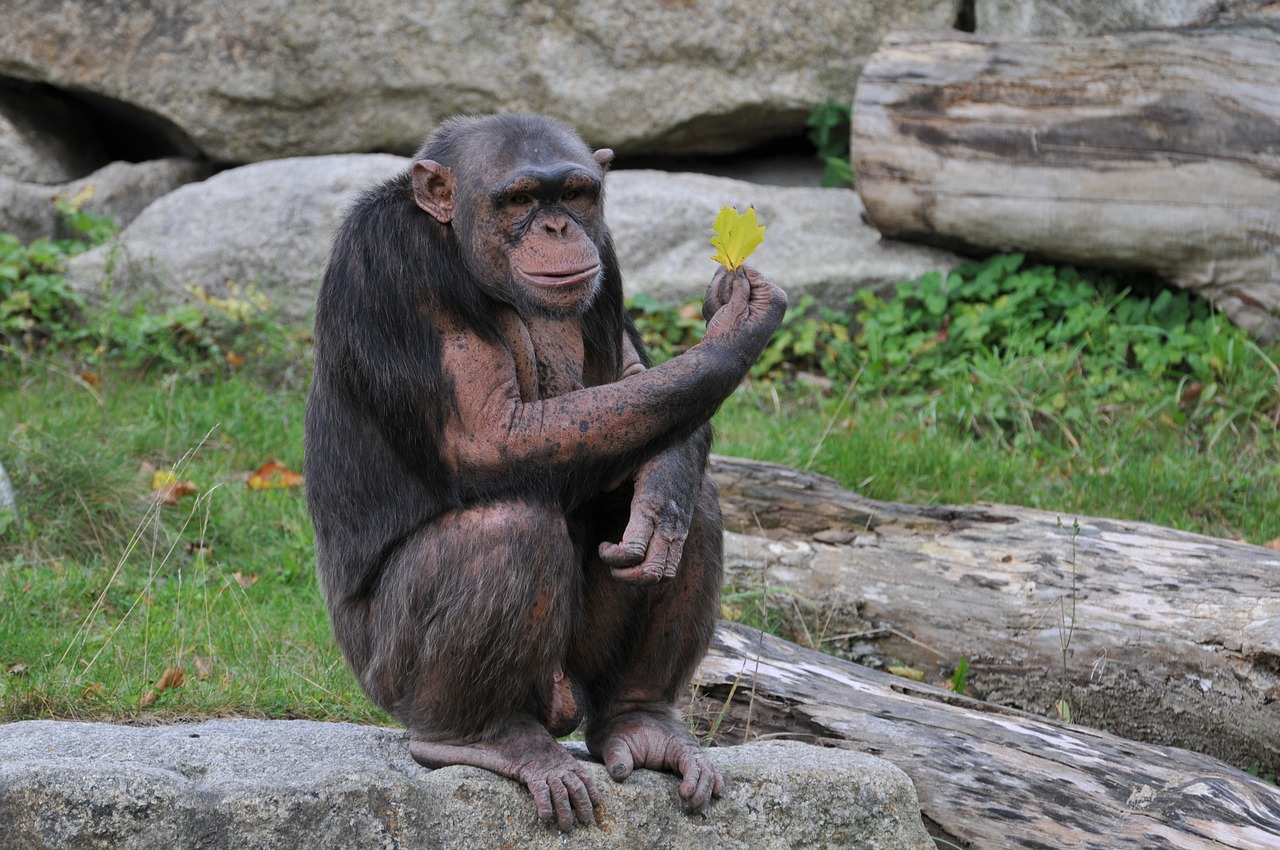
x=468, y=633
x=636, y=648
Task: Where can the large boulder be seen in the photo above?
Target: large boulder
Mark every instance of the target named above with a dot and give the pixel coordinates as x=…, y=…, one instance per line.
x=268, y=785
x=248, y=80
x=120, y=190
x=1090, y=17
x=816, y=242
x=267, y=226
x=270, y=224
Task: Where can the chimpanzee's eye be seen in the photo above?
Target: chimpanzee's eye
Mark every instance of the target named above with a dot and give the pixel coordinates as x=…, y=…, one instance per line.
x=521, y=200
x=571, y=195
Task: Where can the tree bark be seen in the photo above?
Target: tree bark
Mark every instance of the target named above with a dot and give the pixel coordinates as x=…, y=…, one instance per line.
x=1153, y=634
x=987, y=777
x=1157, y=150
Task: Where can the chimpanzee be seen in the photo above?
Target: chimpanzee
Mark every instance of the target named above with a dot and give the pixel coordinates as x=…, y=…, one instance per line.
x=514, y=527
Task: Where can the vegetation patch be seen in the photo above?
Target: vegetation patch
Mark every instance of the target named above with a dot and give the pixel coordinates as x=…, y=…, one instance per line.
x=146, y=574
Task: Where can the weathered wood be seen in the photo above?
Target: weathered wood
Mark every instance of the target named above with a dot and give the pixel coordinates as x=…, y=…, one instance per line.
x=986, y=776
x=1158, y=150
x=1170, y=637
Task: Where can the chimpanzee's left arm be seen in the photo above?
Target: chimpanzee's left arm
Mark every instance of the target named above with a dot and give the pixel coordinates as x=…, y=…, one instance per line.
x=667, y=487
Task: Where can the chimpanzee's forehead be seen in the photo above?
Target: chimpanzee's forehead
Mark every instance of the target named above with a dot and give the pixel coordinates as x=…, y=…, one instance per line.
x=543, y=148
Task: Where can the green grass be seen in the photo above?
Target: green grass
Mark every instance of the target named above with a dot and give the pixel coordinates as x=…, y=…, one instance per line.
x=102, y=590
x=1000, y=382
x=1135, y=466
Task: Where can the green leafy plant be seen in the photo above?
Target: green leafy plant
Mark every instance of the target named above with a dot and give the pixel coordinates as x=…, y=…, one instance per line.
x=960, y=678
x=217, y=332
x=39, y=311
x=94, y=228
x=829, y=131
x=36, y=305
x=667, y=330
x=1011, y=348
x=814, y=340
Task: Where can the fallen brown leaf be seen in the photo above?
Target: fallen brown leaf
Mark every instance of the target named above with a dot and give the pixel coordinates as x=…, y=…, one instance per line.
x=173, y=677
x=1273, y=544
x=273, y=474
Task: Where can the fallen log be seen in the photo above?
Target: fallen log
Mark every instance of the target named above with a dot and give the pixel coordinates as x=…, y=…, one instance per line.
x=1153, y=634
x=1155, y=150
x=987, y=777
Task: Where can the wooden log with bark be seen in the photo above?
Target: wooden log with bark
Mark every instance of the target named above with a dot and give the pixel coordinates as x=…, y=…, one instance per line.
x=1156, y=150
x=987, y=777
x=1153, y=634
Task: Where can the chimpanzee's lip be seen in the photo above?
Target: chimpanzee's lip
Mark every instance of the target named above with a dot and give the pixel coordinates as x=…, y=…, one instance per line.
x=561, y=279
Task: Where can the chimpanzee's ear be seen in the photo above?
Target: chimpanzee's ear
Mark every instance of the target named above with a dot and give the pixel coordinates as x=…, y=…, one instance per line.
x=433, y=186
x=604, y=156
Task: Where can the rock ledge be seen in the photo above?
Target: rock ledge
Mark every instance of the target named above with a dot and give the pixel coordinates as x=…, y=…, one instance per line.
x=276, y=784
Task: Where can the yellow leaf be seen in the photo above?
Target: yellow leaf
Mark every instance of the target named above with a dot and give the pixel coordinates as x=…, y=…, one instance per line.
x=736, y=236
x=168, y=488
x=906, y=672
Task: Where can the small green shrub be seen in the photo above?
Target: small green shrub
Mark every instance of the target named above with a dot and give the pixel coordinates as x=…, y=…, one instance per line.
x=210, y=333
x=666, y=330
x=94, y=228
x=811, y=339
x=36, y=305
x=1007, y=348
x=829, y=130
x=1000, y=345
x=37, y=308
x=39, y=311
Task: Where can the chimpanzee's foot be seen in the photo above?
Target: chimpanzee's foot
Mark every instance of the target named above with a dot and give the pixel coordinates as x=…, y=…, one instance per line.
x=561, y=709
x=526, y=752
x=651, y=736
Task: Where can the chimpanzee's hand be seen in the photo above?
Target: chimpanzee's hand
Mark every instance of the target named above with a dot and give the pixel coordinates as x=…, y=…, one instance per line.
x=718, y=291
x=653, y=543
x=745, y=305
x=666, y=489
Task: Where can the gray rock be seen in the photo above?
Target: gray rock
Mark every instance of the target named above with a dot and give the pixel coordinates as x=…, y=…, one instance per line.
x=1089, y=17
x=816, y=242
x=266, y=225
x=249, y=80
x=120, y=190
x=271, y=223
x=265, y=784
x=8, y=496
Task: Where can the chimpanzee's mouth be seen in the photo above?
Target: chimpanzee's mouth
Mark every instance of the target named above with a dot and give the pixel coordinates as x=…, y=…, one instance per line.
x=557, y=279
